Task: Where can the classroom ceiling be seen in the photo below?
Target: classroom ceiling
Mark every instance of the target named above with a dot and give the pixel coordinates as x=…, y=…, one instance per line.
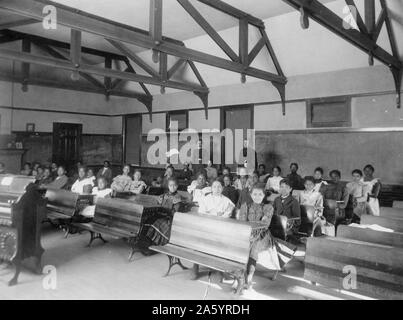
x=300, y=52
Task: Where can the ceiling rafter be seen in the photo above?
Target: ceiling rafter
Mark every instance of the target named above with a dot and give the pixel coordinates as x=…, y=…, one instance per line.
x=85, y=22
x=365, y=41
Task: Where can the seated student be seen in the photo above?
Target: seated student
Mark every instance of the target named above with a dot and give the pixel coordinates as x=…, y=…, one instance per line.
x=26, y=170
x=199, y=188
x=59, y=182
x=137, y=186
x=186, y=173
x=82, y=183
x=159, y=230
x=228, y=190
x=101, y=191
x=309, y=198
x=157, y=182
x=46, y=177
x=215, y=203
x=242, y=182
x=318, y=178
x=169, y=173
x=244, y=194
x=358, y=192
x=374, y=188
x=39, y=173
x=335, y=190
x=91, y=176
x=106, y=172
x=53, y=170
x=287, y=205
x=263, y=176
x=273, y=183
x=211, y=172
x=121, y=183
x=295, y=180
x=2, y=168
x=277, y=253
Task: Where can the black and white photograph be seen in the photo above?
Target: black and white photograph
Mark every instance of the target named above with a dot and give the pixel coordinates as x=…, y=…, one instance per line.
x=201, y=150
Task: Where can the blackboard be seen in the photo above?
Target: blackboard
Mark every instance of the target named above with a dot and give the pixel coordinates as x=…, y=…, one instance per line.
x=344, y=151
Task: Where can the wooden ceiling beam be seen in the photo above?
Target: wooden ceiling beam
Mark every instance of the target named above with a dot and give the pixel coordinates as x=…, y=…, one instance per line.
x=17, y=23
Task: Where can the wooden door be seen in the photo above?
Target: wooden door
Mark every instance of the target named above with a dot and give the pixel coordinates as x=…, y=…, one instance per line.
x=67, y=143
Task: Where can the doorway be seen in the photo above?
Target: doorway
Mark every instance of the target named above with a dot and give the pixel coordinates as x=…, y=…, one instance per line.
x=66, y=143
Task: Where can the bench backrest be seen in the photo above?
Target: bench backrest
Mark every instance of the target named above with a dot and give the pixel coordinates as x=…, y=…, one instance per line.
x=391, y=212
x=146, y=200
x=65, y=201
x=394, y=239
x=378, y=267
x=392, y=223
x=398, y=204
x=118, y=213
x=221, y=237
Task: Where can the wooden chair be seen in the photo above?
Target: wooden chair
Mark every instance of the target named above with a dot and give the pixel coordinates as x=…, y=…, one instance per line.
x=117, y=218
x=216, y=243
x=372, y=269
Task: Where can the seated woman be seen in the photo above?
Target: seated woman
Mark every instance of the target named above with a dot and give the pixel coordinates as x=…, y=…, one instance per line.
x=310, y=198
x=159, y=230
x=137, y=186
x=287, y=205
x=101, y=191
x=199, y=188
x=274, y=253
x=211, y=172
x=46, y=177
x=318, y=179
x=335, y=198
x=59, y=182
x=215, y=203
x=359, y=193
x=169, y=173
x=228, y=190
x=82, y=184
x=273, y=183
x=26, y=170
x=91, y=176
x=121, y=183
x=374, y=188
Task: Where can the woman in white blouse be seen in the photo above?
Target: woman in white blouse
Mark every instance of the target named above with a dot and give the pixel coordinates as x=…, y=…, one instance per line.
x=82, y=181
x=216, y=204
x=273, y=183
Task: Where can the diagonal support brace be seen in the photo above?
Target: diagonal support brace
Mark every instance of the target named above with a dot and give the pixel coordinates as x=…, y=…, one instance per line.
x=148, y=102
x=204, y=98
x=281, y=90
x=397, y=76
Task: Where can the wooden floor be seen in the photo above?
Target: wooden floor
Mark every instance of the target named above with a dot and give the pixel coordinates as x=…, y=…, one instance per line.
x=103, y=272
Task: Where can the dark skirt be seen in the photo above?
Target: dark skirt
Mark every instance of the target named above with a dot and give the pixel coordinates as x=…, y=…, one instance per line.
x=159, y=231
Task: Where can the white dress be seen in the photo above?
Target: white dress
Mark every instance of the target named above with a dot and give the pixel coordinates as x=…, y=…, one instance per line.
x=78, y=186
x=219, y=206
x=373, y=203
x=89, y=211
x=274, y=183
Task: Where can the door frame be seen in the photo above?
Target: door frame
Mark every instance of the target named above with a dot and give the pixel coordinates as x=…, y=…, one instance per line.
x=79, y=138
x=223, y=119
x=124, y=135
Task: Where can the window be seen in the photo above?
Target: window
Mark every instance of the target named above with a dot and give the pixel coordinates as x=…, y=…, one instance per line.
x=181, y=117
x=329, y=112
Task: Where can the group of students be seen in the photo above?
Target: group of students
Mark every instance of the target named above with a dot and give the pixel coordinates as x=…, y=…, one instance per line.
x=256, y=197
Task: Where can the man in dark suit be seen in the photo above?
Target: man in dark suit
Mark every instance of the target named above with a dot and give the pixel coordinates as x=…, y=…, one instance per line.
x=105, y=172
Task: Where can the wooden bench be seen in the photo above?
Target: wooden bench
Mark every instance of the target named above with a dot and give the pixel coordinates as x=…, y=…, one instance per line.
x=387, y=212
x=117, y=218
x=373, y=269
x=63, y=205
x=392, y=223
x=394, y=239
x=217, y=243
x=397, y=204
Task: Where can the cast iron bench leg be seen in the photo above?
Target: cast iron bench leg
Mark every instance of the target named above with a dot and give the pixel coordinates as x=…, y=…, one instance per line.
x=95, y=236
x=14, y=280
x=173, y=261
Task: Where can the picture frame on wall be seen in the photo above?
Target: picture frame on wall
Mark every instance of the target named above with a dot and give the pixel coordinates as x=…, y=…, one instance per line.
x=30, y=127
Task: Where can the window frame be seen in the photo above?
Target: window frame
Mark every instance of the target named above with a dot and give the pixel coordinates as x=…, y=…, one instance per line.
x=177, y=112
x=346, y=100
